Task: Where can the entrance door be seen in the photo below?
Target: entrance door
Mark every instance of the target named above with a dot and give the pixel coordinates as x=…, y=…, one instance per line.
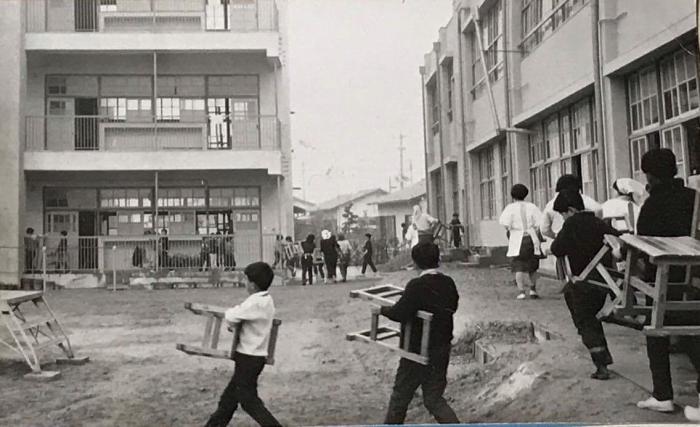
x=86, y=15
x=87, y=242
x=86, y=124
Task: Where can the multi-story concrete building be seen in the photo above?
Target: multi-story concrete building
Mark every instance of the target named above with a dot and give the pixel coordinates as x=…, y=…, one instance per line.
x=126, y=117
x=527, y=90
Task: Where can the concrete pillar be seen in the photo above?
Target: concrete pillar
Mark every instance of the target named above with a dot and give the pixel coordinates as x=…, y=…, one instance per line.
x=12, y=86
x=617, y=147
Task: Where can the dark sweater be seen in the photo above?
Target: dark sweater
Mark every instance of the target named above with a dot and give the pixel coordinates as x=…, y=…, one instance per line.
x=330, y=249
x=434, y=293
x=580, y=239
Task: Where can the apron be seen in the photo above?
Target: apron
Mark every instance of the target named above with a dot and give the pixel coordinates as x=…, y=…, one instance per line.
x=516, y=236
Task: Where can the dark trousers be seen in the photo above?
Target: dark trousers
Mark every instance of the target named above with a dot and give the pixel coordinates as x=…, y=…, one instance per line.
x=307, y=269
x=367, y=260
x=243, y=389
x=457, y=240
x=318, y=271
x=659, y=363
x=432, y=379
x=344, y=263
x=584, y=301
x=278, y=257
x=331, y=266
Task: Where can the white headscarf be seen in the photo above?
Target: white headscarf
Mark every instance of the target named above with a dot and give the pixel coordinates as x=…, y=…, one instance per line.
x=325, y=234
x=631, y=188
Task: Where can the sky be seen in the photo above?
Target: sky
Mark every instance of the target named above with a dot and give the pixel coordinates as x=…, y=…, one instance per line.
x=355, y=87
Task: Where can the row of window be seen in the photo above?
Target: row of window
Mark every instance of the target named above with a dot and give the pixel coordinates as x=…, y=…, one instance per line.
x=136, y=198
x=488, y=178
x=540, y=18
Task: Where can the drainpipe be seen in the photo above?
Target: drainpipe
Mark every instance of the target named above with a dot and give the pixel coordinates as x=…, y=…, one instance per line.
x=425, y=136
x=438, y=93
x=506, y=91
x=598, y=93
x=463, y=145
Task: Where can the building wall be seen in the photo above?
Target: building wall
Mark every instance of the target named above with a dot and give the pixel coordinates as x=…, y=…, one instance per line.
x=13, y=72
x=398, y=210
x=550, y=76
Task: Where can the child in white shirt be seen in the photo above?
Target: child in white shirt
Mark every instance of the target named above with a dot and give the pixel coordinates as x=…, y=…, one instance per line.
x=255, y=314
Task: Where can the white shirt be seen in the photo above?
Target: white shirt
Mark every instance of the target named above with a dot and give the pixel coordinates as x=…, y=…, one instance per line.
x=345, y=246
x=512, y=220
x=553, y=221
x=618, y=207
x=411, y=236
x=424, y=222
x=256, y=314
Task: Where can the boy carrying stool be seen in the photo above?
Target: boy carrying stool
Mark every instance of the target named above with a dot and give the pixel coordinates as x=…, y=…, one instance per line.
x=256, y=314
x=435, y=293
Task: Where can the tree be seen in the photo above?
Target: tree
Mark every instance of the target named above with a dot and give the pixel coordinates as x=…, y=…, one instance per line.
x=350, y=219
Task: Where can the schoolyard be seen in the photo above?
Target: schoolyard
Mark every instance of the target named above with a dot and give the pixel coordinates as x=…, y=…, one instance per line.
x=137, y=378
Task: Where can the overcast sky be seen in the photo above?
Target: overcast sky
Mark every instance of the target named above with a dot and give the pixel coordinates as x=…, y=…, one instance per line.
x=355, y=87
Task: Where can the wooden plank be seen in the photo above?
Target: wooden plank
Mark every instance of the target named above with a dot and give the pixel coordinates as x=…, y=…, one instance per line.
x=425, y=338
x=592, y=265
x=216, y=331
x=672, y=330
x=52, y=341
x=643, y=286
x=683, y=306
x=627, y=291
x=659, y=304
x=405, y=354
x=17, y=297
x=207, y=331
x=199, y=351
x=272, y=343
x=205, y=309
x=609, y=281
x=374, y=324
x=37, y=322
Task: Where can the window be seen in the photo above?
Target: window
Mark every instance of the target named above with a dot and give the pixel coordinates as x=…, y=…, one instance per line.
x=221, y=197
x=581, y=125
x=57, y=108
x=638, y=147
x=247, y=197
x=449, y=77
x=61, y=221
x=679, y=84
x=504, y=156
x=674, y=139
x=540, y=18
x=168, y=109
x=492, y=45
x=643, y=99
x=56, y=198
x=125, y=198
x=487, y=183
x=56, y=85
x=434, y=107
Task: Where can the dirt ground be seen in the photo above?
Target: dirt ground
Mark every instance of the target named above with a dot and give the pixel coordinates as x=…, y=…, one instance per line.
x=137, y=378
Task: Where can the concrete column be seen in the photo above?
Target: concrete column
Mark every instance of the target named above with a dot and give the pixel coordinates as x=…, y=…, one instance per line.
x=615, y=121
x=12, y=86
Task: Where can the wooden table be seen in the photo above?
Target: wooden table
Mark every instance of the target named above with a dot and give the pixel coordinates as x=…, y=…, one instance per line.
x=663, y=252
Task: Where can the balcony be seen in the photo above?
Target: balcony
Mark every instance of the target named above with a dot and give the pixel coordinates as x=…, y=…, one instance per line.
x=103, y=143
x=150, y=15
x=139, y=25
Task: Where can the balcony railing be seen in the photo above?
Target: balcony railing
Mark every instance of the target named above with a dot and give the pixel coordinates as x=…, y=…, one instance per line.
x=103, y=133
x=151, y=15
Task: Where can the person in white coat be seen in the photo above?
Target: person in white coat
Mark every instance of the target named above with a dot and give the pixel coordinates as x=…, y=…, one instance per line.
x=630, y=193
x=521, y=220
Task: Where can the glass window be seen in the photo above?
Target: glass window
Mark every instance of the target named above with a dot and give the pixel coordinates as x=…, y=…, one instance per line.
x=679, y=84
x=487, y=185
x=168, y=109
x=643, y=99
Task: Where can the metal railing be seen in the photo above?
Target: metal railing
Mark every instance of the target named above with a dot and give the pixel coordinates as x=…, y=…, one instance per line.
x=103, y=133
x=553, y=19
x=151, y=15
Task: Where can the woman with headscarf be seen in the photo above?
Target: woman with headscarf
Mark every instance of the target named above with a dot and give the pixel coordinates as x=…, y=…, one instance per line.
x=424, y=224
x=521, y=220
x=630, y=193
x=330, y=249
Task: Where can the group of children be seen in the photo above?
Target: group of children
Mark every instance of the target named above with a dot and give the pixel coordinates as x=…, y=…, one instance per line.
x=332, y=252
x=431, y=291
x=667, y=211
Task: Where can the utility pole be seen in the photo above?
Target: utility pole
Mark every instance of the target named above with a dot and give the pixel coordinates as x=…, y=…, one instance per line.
x=410, y=171
x=402, y=178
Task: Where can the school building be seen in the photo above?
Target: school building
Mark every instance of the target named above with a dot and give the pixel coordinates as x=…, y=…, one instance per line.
x=523, y=91
x=123, y=118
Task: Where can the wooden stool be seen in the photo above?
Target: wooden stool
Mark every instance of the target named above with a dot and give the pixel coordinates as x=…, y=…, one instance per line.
x=212, y=332
x=378, y=334
x=30, y=334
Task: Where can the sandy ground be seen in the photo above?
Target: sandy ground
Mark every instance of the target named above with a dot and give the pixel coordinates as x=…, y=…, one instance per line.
x=137, y=378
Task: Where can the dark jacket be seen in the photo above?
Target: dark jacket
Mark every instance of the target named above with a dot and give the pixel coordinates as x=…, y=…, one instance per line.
x=667, y=212
x=308, y=247
x=435, y=293
x=580, y=239
x=368, y=248
x=330, y=249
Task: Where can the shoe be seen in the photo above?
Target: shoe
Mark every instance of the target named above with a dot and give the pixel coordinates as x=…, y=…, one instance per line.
x=325, y=281
x=533, y=295
x=601, y=373
x=656, y=405
x=521, y=295
x=692, y=414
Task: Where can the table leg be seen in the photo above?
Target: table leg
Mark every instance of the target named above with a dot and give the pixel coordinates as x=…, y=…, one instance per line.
x=659, y=304
x=628, y=299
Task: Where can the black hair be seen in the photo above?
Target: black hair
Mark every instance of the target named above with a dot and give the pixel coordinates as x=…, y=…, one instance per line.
x=660, y=162
x=367, y=235
x=568, y=182
x=30, y=230
x=566, y=199
x=288, y=238
x=310, y=238
x=455, y=214
x=426, y=255
x=519, y=192
x=261, y=274
x=64, y=233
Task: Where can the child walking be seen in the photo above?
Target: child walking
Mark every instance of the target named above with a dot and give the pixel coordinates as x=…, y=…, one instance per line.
x=580, y=239
x=256, y=314
x=435, y=293
x=367, y=255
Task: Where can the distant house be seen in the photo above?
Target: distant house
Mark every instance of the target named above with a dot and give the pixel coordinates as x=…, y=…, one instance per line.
x=397, y=207
x=363, y=205
x=302, y=208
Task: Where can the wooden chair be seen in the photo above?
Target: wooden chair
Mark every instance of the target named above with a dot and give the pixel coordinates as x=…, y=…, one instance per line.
x=628, y=218
x=212, y=334
x=377, y=334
